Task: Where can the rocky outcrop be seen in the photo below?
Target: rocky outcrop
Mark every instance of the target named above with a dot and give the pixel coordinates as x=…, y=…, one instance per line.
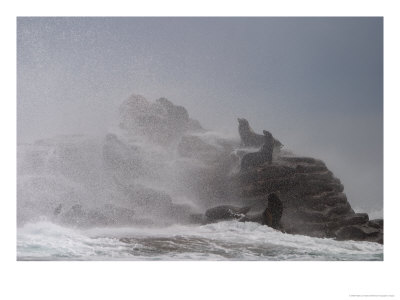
x=313, y=199
x=226, y=212
x=160, y=121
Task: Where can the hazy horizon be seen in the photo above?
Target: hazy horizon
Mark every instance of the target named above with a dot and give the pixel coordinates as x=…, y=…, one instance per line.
x=315, y=83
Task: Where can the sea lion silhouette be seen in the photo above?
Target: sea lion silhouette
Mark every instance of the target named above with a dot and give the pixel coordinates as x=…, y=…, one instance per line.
x=255, y=159
x=272, y=214
x=251, y=139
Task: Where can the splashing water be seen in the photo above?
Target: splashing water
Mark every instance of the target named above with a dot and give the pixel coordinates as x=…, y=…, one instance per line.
x=228, y=240
x=132, y=195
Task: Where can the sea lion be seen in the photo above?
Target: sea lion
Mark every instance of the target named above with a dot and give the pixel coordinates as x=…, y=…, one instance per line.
x=255, y=159
x=226, y=212
x=251, y=139
x=247, y=135
x=271, y=216
x=273, y=213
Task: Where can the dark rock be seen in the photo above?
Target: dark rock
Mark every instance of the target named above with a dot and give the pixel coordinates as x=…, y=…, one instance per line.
x=307, y=160
x=340, y=210
x=270, y=216
x=312, y=215
x=226, y=212
x=313, y=199
x=352, y=232
x=377, y=223
x=360, y=233
x=354, y=219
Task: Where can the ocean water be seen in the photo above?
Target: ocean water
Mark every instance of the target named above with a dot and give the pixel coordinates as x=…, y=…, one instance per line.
x=228, y=240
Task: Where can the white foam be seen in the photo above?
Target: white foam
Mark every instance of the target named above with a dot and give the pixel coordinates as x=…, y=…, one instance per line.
x=229, y=240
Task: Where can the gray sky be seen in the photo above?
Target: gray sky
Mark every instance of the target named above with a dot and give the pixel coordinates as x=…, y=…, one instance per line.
x=315, y=83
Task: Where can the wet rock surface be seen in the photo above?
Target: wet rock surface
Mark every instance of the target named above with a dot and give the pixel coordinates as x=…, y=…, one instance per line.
x=313, y=199
x=314, y=202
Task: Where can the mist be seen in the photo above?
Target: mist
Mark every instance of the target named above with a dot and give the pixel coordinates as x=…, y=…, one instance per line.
x=315, y=83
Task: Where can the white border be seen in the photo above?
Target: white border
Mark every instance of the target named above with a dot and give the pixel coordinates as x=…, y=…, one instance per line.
x=197, y=280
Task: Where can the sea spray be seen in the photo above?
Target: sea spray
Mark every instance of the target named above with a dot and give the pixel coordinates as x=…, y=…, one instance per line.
x=129, y=195
x=129, y=176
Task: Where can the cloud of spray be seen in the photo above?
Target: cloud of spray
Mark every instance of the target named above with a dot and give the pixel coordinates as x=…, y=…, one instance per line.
x=315, y=83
